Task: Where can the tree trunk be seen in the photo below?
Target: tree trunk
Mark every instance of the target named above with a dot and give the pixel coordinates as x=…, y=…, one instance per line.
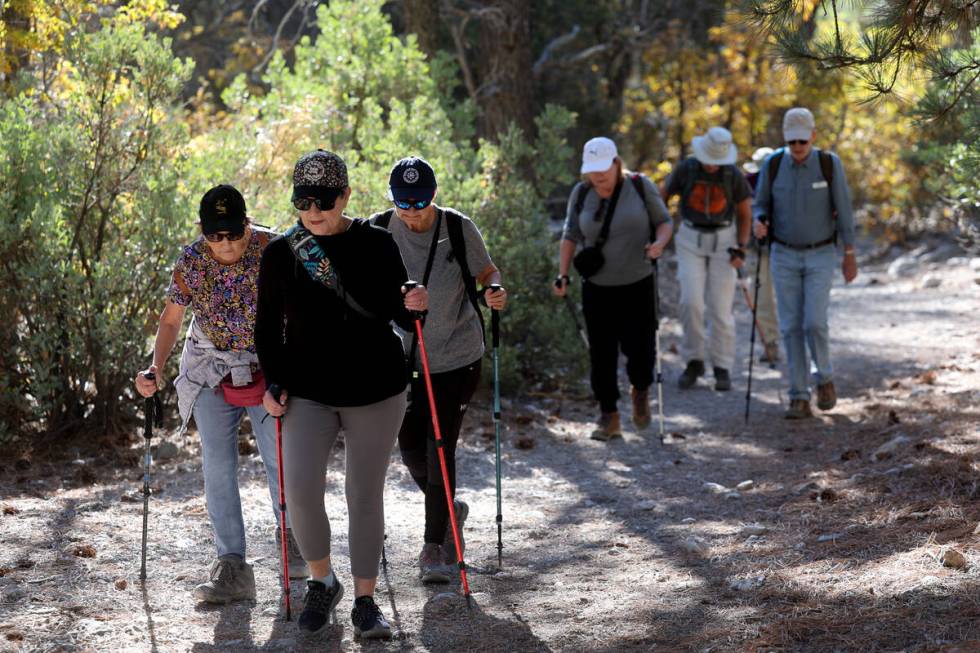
x=504, y=65
x=422, y=19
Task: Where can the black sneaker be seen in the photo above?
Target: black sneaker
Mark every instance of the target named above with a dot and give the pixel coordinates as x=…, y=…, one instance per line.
x=368, y=621
x=689, y=376
x=723, y=382
x=320, y=601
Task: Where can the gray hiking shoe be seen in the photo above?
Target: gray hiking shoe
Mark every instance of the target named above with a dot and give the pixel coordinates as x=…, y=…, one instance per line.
x=297, y=566
x=231, y=579
x=448, y=544
x=432, y=566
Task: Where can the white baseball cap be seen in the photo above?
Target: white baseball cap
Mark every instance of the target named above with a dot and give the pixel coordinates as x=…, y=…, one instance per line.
x=798, y=124
x=758, y=157
x=715, y=148
x=598, y=155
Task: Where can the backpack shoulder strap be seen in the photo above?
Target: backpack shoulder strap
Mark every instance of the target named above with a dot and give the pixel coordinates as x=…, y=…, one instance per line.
x=728, y=181
x=454, y=225
x=384, y=219
x=827, y=168
x=690, y=168
x=772, y=167
x=641, y=190
x=581, y=191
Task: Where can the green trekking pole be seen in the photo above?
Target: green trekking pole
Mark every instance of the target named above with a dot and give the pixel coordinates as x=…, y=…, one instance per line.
x=495, y=335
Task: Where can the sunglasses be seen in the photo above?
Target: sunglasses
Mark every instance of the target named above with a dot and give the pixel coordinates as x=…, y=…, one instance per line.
x=419, y=205
x=797, y=142
x=221, y=235
x=304, y=203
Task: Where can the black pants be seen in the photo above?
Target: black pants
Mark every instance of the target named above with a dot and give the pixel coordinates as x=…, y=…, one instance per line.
x=417, y=439
x=619, y=318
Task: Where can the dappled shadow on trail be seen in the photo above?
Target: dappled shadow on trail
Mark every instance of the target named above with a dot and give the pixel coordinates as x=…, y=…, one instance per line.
x=449, y=625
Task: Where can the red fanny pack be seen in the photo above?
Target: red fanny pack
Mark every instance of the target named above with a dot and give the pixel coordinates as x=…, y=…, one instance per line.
x=244, y=395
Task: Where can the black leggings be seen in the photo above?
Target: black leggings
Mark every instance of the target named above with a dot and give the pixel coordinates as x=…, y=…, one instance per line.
x=619, y=318
x=417, y=441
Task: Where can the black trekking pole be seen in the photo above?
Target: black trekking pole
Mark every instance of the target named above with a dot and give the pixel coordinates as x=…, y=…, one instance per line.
x=276, y=392
x=153, y=416
x=409, y=285
x=656, y=343
x=570, y=305
x=495, y=332
x=764, y=242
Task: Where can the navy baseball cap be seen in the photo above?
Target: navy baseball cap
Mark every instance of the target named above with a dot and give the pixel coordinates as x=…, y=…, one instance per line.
x=412, y=180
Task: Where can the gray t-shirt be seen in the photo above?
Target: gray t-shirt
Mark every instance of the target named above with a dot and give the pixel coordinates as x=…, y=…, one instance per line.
x=632, y=227
x=453, y=337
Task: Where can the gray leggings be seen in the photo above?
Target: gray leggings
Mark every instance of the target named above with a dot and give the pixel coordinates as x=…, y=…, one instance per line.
x=309, y=432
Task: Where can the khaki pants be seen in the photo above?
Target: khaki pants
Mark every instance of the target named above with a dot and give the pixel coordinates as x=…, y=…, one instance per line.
x=707, y=291
x=766, y=311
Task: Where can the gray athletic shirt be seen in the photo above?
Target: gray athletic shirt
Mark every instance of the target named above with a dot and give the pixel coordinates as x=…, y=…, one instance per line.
x=452, y=332
x=630, y=230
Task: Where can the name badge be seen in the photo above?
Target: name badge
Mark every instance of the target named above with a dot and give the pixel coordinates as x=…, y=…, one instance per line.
x=819, y=184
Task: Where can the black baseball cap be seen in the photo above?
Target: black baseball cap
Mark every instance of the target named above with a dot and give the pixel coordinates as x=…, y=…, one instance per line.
x=412, y=180
x=222, y=209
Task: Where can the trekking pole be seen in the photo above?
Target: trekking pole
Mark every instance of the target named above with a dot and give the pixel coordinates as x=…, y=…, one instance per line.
x=495, y=331
x=571, y=311
x=153, y=416
x=276, y=391
x=409, y=285
x=656, y=344
x=755, y=305
x=748, y=302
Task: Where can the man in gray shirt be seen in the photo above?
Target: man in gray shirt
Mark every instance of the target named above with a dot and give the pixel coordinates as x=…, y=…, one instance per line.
x=802, y=202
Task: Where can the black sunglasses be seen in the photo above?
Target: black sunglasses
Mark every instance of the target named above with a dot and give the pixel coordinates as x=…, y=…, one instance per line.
x=304, y=203
x=221, y=235
x=797, y=142
x=419, y=205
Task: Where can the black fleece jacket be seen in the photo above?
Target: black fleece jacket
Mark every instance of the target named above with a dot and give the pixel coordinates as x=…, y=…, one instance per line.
x=310, y=342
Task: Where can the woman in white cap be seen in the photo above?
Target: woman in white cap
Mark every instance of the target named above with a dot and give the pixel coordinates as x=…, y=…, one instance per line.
x=716, y=220
x=328, y=292
x=622, y=224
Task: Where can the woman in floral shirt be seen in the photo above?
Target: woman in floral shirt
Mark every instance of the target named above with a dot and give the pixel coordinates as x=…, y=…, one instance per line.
x=219, y=381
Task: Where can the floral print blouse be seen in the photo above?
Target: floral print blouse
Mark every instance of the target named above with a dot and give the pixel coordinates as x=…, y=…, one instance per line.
x=222, y=297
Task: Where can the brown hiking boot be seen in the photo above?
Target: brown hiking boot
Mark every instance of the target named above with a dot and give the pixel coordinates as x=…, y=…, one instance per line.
x=826, y=396
x=771, y=353
x=799, y=409
x=231, y=579
x=607, y=427
x=641, y=407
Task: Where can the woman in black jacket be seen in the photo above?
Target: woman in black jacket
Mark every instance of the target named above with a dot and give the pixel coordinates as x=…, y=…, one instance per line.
x=328, y=292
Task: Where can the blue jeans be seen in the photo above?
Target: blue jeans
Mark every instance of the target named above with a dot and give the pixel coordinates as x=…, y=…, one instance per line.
x=217, y=423
x=802, y=279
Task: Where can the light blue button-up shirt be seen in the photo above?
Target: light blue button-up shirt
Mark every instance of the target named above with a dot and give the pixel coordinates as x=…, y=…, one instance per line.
x=802, y=212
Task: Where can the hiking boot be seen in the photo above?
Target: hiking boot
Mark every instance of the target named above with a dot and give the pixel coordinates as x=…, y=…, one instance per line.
x=230, y=579
x=723, y=382
x=297, y=566
x=689, y=376
x=368, y=621
x=319, y=602
x=641, y=407
x=799, y=409
x=771, y=354
x=432, y=566
x=448, y=544
x=826, y=396
x=607, y=427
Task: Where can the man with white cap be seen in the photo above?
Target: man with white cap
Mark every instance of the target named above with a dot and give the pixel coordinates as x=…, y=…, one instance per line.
x=716, y=217
x=803, y=204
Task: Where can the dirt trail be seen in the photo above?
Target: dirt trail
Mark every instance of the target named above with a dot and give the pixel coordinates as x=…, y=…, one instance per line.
x=607, y=547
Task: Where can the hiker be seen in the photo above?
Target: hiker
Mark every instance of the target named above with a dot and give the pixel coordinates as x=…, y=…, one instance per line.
x=444, y=249
x=219, y=380
x=802, y=203
x=328, y=291
x=716, y=221
x=766, y=310
x=623, y=225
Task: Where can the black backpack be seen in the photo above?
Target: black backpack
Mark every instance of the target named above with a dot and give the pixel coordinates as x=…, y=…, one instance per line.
x=454, y=225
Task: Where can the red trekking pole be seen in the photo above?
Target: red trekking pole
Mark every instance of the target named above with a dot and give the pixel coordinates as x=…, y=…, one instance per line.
x=442, y=455
x=275, y=391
